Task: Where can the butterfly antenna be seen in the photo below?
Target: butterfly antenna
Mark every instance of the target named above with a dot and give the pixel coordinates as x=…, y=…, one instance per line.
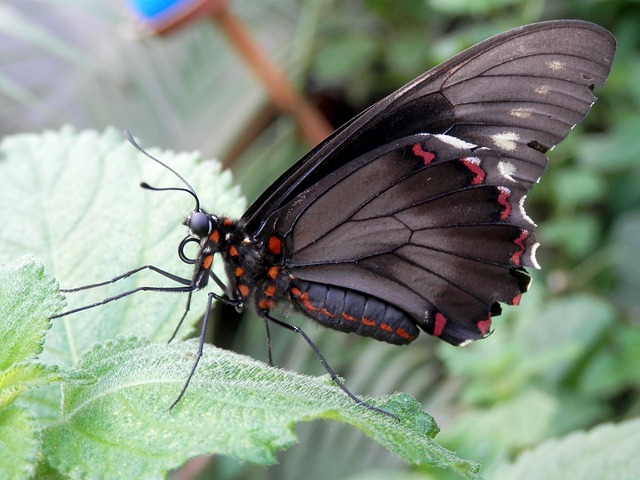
x=190, y=190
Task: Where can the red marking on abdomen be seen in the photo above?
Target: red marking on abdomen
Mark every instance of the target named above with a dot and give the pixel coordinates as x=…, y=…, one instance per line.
x=368, y=322
x=476, y=169
x=516, y=258
x=503, y=199
x=427, y=157
x=348, y=317
x=441, y=322
x=402, y=333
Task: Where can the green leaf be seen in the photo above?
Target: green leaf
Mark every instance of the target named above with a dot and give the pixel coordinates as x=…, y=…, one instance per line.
x=19, y=443
x=78, y=197
x=606, y=452
x=27, y=299
x=234, y=406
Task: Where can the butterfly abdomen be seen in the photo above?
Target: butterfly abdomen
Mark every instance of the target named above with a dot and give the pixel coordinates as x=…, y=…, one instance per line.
x=350, y=311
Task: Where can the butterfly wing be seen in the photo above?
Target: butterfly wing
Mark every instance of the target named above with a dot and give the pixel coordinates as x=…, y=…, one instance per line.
x=519, y=93
x=428, y=224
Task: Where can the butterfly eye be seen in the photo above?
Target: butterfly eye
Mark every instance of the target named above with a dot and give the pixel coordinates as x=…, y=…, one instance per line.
x=199, y=224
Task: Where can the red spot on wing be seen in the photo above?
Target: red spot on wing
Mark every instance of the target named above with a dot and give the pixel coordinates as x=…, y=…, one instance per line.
x=484, y=325
x=503, y=199
x=441, y=322
x=516, y=258
x=516, y=300
x=418, y=151
x=476, y=169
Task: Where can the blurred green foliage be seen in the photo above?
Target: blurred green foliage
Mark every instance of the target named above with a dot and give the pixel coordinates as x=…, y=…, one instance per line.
x=567, y=359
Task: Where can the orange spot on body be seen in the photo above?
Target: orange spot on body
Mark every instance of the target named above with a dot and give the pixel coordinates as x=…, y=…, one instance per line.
x=206, y=262
x=244, y=290
x=348, y=317
x=307, y=303
x=238, y=272
x=402, y=333
x=275, y=245
x=273, y=272
x=368, y=322
x=385, y=327
x=327, y=313
x=296, y=292
x=266, y=304
x=270, y=291
x=233, y=251
x=214, y=236
x=227, y=221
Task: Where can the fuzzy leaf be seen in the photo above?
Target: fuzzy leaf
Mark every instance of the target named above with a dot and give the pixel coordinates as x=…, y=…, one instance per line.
x=608, y=451
x=234, y=406
x=19, y=443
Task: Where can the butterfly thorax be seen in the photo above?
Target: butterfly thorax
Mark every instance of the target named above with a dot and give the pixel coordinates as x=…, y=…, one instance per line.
x=253, y=267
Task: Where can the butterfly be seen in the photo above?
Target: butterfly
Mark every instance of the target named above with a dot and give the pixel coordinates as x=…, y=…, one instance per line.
x=410, y=217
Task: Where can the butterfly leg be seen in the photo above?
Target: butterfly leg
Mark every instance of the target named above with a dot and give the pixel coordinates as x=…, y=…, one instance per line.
x=326, y=365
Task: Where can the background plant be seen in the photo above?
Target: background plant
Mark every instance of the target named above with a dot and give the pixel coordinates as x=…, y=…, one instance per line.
x=566, y=360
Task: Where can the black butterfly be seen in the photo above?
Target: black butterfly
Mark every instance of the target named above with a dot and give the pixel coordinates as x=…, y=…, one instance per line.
x=410, y=217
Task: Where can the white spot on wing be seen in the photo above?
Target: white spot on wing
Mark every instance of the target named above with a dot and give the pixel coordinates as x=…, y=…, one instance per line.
x=523, y=212
x=542, y=89
x=456, y=142
x=506, y=140
x=555, y=65
x=507, y=170
x=520, y=112
x=534, y=262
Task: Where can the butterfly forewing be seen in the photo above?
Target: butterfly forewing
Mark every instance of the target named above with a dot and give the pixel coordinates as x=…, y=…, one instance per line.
x=519, y=93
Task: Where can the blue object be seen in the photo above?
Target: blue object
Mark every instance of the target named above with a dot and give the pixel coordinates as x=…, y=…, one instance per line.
x=149, y=9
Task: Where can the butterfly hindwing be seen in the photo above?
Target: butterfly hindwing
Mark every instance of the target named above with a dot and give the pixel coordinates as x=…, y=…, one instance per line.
x=406, y=231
